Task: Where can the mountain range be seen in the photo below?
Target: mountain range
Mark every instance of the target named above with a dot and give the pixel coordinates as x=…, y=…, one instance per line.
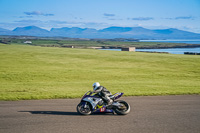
x=108, y=33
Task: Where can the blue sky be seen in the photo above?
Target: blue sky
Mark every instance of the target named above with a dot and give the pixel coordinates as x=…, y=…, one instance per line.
x=98, y=14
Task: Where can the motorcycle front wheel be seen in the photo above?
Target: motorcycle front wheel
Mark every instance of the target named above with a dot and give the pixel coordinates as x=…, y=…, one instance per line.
x=124, y=109
x=84, y=109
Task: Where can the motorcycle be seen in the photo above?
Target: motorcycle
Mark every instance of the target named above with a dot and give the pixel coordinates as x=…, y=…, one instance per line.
x=92, y=103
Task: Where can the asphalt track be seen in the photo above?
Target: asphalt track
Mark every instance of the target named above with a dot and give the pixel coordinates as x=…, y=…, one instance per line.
x=149, y=114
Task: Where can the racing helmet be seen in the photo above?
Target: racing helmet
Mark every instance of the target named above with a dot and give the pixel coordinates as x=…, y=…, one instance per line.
x=95, y=85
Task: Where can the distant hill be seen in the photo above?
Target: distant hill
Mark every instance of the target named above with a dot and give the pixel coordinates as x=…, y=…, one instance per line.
x=5, y=31
x=30, y=31
x=109, y=33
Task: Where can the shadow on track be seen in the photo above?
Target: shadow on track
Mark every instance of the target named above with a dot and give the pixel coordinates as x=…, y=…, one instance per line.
x=51, y=112
x=61, y=113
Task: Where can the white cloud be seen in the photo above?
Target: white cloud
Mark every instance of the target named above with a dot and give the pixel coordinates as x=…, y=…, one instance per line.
x=37, y=13
x=109, y=15
x=182, y=18
x=141, y=18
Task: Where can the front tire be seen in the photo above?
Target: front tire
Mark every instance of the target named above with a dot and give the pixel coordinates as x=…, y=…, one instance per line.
x=84, y=109
x=124, y=109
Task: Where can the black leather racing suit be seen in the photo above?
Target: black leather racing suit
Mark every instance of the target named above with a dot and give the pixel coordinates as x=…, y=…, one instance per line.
x=103, y=93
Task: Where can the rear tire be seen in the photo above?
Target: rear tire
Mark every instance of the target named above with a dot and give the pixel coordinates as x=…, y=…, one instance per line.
x=84, y=110
x=124, y=110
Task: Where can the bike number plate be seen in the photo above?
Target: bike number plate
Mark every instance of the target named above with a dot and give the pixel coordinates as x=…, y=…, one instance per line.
x=103, y=109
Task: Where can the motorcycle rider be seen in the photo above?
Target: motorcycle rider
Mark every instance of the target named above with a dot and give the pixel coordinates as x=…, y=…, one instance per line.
x=102, y=92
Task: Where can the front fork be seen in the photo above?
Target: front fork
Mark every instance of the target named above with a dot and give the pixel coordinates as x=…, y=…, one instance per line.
x=85, y=105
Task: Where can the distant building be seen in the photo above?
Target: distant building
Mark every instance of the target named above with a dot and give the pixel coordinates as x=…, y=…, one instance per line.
x=128, y=49
x=66, y=46
x=28, y=42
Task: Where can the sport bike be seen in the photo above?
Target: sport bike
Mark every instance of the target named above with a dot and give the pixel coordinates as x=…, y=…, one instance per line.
x=93, y=103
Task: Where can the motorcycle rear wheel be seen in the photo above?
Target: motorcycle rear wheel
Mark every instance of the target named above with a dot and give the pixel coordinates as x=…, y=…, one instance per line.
x=124, y=110
x=83, y=110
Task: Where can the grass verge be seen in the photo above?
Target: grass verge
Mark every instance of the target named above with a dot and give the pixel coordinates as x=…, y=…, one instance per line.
x=32, y=72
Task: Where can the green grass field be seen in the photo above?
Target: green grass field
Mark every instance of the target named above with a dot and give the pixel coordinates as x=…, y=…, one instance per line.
x=33, y=72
